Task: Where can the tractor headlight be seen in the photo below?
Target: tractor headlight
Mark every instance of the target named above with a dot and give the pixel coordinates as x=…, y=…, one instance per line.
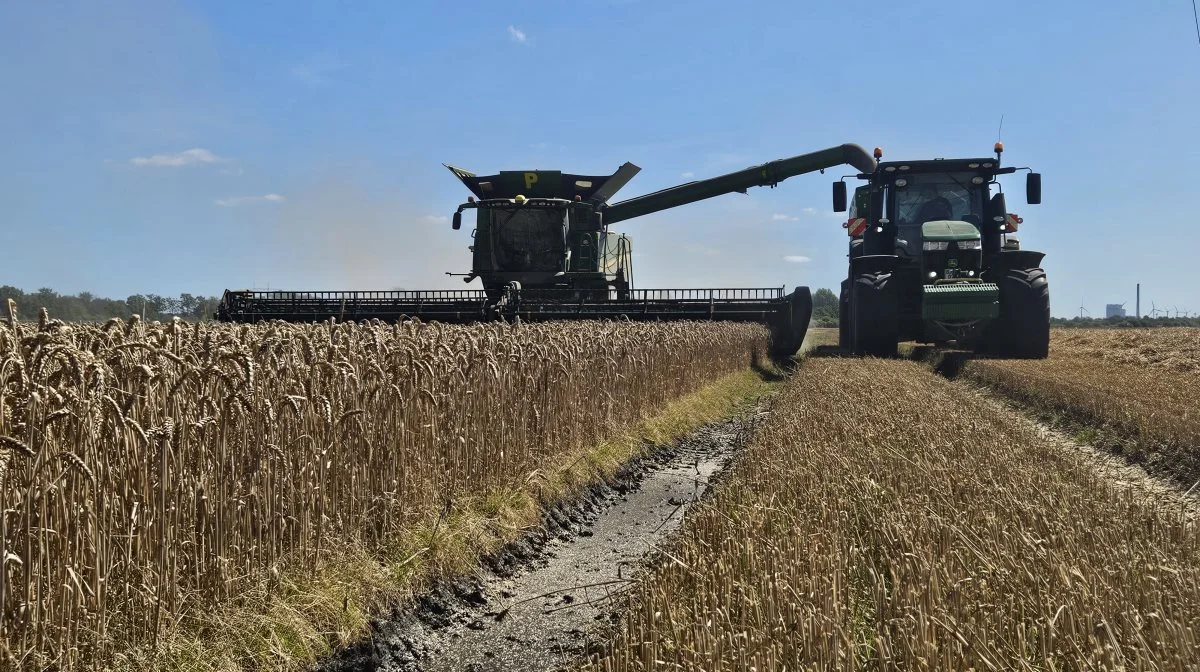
x=969, y=245
x=935, y=245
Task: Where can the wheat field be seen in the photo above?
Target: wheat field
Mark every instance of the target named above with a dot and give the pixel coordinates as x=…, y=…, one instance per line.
x=152, y=473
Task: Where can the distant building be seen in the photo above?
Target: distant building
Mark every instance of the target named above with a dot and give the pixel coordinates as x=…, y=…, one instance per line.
x=1114, y=310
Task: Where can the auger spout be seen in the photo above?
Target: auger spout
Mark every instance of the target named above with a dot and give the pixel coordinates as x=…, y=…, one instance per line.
x=766, y=175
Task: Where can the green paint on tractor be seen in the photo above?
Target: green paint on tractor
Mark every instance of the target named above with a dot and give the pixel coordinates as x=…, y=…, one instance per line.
x=946, y=230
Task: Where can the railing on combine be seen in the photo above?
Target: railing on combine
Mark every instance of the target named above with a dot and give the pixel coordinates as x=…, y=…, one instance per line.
x=740, y=304
x=756, y=304
x=451, y=305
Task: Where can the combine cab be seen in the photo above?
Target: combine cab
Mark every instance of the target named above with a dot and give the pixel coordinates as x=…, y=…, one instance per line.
x=933, y=259
x=543, y=250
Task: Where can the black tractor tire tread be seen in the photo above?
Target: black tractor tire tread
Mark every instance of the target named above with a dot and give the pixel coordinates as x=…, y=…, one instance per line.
x=874, y=322
x=844, y=316
x=1023, y=328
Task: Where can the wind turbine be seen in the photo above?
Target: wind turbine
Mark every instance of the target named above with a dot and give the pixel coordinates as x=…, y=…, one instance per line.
x=1082, y=310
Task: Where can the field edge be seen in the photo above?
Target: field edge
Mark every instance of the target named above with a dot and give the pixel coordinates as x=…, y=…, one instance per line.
x=295, y=620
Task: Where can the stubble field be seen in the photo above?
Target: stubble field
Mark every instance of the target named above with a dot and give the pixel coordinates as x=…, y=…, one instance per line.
x=887, y=518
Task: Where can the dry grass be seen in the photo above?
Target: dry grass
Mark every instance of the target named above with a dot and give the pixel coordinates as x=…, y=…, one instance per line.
x=1132, y=391
x=172, y=489
x=1169, y=349
x=885, y=518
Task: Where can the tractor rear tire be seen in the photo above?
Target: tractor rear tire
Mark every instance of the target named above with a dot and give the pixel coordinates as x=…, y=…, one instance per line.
x=844, y=317
x=874, y=315
x=1023, y=328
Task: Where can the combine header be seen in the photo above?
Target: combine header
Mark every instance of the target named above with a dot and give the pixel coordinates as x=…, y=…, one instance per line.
x=543, y=250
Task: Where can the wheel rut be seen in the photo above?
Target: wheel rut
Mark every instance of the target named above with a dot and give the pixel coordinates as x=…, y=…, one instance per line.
x=1150, y=486
x=544, y=601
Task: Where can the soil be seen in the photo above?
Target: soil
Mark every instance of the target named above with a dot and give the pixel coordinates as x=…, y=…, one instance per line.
x=544, y=601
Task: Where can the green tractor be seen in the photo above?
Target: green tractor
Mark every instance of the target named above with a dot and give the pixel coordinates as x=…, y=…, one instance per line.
x=933, y=260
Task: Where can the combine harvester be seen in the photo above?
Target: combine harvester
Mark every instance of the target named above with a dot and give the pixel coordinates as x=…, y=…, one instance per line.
x=543, y=251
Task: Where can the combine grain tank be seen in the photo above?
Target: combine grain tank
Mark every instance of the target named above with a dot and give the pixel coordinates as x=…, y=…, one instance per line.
x=543, y=250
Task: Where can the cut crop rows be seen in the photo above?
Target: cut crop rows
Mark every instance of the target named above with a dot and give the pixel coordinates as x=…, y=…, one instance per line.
x=886, y=518
x=149, y=473
x=1136, y=388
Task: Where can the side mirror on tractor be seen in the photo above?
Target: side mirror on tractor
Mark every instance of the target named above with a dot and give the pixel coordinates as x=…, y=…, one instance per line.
x=1033, y=188
x=839, y=196
x=457, y=223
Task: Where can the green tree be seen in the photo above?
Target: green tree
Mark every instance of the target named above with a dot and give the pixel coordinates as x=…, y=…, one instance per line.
x=825, y=308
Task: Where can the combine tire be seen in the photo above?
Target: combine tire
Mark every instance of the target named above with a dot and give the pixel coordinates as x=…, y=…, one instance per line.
x=1023, y=328
x=844, y=316
x=874, y=315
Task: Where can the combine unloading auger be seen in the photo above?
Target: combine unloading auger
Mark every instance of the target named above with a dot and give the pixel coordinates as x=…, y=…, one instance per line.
x=543, y=251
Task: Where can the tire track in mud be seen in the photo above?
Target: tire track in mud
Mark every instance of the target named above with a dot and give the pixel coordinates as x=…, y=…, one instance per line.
x=544, y=600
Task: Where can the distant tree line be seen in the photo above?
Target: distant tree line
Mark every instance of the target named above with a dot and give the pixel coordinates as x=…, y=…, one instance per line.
x=85, y=307
x=825, y=314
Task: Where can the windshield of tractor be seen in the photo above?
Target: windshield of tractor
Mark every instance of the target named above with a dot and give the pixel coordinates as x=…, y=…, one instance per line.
x=934, y=197
x=529, y=238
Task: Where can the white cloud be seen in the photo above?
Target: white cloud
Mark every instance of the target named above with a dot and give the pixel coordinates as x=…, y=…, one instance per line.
x=244, y=200
x=688, y=175
x=809, y=211
x=797, y=259
x=437, y=219
x=235, y=172
x=780, y=217
x=190, y=157
x=518, y=35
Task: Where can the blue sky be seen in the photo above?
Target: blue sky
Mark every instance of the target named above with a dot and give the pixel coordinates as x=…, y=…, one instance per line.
x=193, y=146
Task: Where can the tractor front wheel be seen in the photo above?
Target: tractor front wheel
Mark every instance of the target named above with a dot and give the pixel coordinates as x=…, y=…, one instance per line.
x=1023, y=328
x=874, y=315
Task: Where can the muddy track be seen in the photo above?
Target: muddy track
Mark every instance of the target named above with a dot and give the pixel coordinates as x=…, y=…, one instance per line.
x=543, y=601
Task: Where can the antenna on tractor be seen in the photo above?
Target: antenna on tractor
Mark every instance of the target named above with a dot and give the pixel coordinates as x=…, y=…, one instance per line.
x=1196, y=20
